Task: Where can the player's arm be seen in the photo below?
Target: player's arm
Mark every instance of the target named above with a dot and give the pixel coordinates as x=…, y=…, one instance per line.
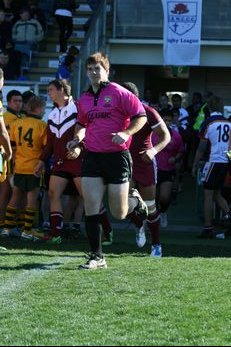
x=79, y=135
x=5, y=140
x=201, y=149
x=164, y=137
x=136, y=124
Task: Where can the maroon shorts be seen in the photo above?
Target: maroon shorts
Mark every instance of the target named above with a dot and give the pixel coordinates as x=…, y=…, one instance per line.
x=144, y=174
x=71, y=168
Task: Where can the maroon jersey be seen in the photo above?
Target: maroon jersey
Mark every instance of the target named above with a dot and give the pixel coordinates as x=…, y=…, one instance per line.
x=143, y=172
x=142, y=140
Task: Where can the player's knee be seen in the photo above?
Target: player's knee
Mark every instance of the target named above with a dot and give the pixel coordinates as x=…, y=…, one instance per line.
x=119, y=213
x=151, y=204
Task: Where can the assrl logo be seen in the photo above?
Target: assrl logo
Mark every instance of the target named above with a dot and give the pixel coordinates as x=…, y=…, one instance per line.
x=182, y=16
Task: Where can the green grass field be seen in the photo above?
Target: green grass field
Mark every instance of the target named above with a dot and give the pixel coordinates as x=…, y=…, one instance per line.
x=181, y=299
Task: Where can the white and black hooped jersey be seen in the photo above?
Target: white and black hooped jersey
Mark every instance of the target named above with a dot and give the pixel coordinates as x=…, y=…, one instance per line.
x=216, y=129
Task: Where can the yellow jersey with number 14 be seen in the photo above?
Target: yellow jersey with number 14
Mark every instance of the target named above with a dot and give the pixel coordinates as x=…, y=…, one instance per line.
x=29, y=134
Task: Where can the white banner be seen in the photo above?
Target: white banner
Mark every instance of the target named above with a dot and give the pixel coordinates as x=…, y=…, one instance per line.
x=182, y=32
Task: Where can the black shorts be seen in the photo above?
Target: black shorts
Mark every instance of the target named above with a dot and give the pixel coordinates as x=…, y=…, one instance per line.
x=214, y=174
x=27, y=183
x=113, y=167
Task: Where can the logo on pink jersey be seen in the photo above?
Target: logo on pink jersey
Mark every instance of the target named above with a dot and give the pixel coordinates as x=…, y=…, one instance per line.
x=107, y=101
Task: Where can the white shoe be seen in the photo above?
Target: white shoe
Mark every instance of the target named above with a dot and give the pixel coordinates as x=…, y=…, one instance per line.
x=140, y=237
x=94, y=262
x=163, y=220
x=5, y=232
x=31, y=237
x=220, y=236
x=156, y=251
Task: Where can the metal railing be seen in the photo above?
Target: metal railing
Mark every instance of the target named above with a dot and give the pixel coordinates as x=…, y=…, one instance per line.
x=95, y=40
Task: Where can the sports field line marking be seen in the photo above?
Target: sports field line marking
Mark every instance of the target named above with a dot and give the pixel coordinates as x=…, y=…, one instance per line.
x=18, y=282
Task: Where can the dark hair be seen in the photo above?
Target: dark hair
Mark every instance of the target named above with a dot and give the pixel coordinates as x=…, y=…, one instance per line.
x=61, y=84
x=13, y=92
x=177, y=96
x=131, y=87
x=69, y=59
x=98, y=57
x=215, y=103
x=24, y=9
x=27, y=95
x=198, y=95
x=73, y=50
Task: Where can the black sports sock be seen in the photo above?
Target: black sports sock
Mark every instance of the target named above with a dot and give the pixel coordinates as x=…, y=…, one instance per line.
x=93, y=231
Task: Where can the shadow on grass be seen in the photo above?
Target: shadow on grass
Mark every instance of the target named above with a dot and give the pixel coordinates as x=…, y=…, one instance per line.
x=31, y=266
x=174, y=244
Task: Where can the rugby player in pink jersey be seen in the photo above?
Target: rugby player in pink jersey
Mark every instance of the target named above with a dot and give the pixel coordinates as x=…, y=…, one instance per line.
x=108, y=115
x=144, y=172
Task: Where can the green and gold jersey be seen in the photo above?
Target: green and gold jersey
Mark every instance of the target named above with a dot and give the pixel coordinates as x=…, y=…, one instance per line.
x=29, y=135
x=1, y=109
x=9, y=118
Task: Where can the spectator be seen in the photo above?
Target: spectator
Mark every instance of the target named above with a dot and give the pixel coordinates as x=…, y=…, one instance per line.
x=5, y=30
x=64, y=71
x=93, y=5
x=63, y=10
x=148, y=98
x=72, y=50
x=15, y=57
x=27, y=33
x=163, y=103
x=37, y=13
x=11, y=9
x=9, y=68
x=181, y=119
x=181, y=116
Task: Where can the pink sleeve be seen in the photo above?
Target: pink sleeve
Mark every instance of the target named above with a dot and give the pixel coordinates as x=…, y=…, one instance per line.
x=132, y=106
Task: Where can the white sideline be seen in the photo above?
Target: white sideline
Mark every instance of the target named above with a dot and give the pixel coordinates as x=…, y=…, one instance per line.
x=18, y=282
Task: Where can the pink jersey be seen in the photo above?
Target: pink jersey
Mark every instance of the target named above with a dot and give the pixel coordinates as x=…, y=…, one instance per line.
x=109, y=111
x=142, y=140
x=174, y=147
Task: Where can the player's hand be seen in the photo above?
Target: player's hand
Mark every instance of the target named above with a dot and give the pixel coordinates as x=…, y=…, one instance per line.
x=120, y=137
x=147, y=155
x=39, y=168
x=72, y=144
x=73, y=153
x=6, y=155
